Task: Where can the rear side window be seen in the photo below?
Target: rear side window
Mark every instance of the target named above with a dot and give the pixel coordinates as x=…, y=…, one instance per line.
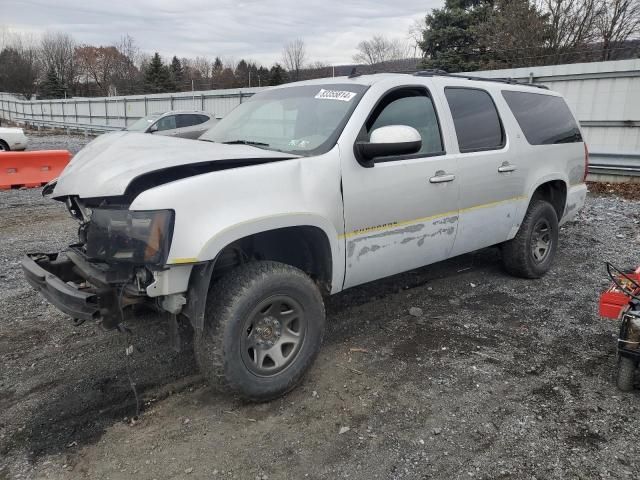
x=187, y=120
x=476, y=119
x=544, y=119
x=202, y=118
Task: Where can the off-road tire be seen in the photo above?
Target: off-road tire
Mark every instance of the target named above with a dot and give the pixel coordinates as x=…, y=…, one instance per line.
x=517, y=256
x=230, y=302
x=625, y=374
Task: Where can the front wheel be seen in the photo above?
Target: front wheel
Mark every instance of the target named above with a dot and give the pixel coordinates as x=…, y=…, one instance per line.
x=531, y=252
x=264, y=324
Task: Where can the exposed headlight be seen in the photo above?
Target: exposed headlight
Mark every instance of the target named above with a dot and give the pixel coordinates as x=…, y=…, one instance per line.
x=130, y=236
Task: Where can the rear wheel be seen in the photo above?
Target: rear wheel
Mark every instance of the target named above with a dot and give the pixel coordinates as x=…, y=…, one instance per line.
x=625, y=374
x=264, y=324
x=4, y=147
x=531, y=252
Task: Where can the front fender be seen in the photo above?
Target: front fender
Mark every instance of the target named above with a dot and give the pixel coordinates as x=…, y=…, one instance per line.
x=215, y=209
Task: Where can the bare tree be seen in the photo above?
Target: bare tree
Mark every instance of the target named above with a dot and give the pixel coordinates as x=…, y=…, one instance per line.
x=294, y=56
x=57, y=54
x=103, y=65
x=571, y=23
x=414, y=34
x=380, y=49
x=618, y=21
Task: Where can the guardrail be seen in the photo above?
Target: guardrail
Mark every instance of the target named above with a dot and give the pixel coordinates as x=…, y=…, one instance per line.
x=614, y=167
x=85, y=128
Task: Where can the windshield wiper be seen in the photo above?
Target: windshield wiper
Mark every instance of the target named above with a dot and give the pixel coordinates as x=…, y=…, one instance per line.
x=246, y=142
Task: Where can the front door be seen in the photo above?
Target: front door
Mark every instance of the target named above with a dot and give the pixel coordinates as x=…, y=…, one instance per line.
x=402, y=213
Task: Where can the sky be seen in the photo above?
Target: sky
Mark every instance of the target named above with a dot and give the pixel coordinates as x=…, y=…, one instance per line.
x=255, y=30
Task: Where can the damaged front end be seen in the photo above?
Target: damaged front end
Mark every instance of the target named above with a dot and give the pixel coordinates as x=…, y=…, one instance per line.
x=118, y=256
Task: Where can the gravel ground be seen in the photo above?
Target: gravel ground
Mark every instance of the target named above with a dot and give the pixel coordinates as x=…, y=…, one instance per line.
x=498, y=378
x=47, y=141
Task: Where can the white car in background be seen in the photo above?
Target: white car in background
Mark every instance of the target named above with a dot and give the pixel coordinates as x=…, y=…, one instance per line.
x=12, y=139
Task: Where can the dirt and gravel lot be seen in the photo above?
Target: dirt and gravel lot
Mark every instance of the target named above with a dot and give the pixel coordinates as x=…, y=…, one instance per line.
x=498, y=378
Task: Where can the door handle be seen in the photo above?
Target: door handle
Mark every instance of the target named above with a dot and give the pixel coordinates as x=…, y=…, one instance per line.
x=441, y=176
x=506, y=167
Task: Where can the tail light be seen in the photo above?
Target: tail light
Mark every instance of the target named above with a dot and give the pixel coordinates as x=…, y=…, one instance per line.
x=586, y=162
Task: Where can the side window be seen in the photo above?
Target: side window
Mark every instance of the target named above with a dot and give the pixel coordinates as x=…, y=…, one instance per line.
x=412, y=107
x=476, y=119
x=167, y=123
x=202, y=118
x=187, y=120
x=544, y=119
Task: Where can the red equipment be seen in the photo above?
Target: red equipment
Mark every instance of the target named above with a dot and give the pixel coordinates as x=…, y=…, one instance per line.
x=616, y=298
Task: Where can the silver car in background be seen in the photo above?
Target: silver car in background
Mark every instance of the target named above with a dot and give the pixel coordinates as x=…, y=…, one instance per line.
x=184, y=124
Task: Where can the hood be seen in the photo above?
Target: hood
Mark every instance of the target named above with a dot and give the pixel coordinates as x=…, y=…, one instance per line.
x=108, y=165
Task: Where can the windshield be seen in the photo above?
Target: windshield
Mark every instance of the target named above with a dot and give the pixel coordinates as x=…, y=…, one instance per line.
x=142, y=124
x=303, y=120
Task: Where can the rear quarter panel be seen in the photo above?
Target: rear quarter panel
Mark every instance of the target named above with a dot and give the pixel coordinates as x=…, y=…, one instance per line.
x=544, y=163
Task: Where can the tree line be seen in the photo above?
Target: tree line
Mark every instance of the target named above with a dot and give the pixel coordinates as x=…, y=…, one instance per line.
x=56, y=66
x=463, y=35
x=467, y=35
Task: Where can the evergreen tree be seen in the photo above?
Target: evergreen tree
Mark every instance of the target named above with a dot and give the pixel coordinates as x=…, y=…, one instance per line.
x=157, y=76
x=450, y=41
x=177, y=72
x=277, y=75
x=263, y=77
x=242, y=74
x=52, y=86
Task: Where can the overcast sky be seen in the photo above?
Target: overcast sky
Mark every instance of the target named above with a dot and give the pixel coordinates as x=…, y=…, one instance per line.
x=249, y=29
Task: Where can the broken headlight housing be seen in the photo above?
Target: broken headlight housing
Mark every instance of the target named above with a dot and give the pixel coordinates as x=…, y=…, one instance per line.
x=139, y=237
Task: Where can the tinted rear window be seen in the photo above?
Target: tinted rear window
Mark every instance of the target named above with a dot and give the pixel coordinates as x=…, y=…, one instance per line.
x=544, y=119
x=476, y=119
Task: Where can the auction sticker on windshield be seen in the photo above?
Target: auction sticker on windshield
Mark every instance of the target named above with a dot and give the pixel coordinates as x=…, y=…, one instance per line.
x=341, y=95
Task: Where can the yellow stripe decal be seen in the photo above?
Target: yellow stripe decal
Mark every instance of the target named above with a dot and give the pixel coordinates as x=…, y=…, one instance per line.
x=178, y=261
x=394, y=225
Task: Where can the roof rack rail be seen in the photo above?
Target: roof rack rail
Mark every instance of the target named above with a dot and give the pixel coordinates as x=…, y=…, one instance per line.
x=510, y=81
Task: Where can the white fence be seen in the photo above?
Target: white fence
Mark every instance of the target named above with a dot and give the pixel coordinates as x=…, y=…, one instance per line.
x=116, y=112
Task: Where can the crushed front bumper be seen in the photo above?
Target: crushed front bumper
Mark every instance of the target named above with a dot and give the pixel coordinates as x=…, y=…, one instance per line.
x=75, y=286
x=67, y=297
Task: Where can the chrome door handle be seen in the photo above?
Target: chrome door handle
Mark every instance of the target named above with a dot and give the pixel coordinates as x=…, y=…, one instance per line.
x=441, y=176
x=506, y=167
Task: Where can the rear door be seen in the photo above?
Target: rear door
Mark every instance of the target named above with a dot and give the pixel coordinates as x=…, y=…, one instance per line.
x=402, y=213
x=491, y=178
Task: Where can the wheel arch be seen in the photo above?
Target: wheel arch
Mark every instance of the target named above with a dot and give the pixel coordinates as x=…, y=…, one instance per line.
x=307, y=247
x=552, y=189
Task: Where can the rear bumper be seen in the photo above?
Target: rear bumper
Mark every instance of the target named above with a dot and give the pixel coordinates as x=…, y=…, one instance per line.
x=64, y=295
x=576, y=196
x=19, y=143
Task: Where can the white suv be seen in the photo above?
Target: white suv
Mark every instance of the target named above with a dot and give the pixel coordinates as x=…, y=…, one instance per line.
x=305, y=190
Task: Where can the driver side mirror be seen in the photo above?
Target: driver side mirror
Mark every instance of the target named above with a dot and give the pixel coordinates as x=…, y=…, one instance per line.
x=153, y=128
x=389, y=141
